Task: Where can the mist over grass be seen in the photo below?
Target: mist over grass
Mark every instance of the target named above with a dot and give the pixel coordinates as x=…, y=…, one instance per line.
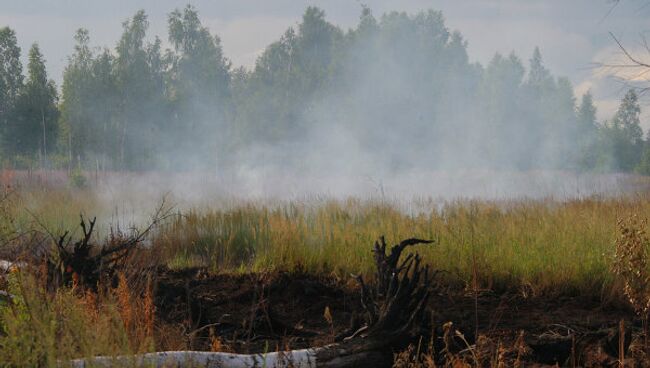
x=334, y=138
x=549, y=245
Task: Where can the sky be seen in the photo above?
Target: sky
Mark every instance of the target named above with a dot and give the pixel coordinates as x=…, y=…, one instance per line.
x=572, y=35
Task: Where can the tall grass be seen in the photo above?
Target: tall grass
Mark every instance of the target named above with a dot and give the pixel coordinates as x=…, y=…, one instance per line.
x=541, y=245
x=44, y=329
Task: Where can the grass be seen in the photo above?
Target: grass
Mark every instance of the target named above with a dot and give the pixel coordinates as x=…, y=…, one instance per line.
x=41, y=329
x=542, y=245
x=545, y=245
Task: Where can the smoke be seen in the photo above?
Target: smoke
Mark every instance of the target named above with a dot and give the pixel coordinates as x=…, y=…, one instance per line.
x=407, y=115
x=135, y=195
x=392, y=110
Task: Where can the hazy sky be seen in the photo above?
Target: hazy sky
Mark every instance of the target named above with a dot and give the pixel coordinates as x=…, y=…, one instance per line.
x=571, y=34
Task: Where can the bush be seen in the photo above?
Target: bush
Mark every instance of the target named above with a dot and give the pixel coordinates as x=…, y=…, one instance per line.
x=41, y=328
x=643, y=167
x=77, y=179
x=631, y=260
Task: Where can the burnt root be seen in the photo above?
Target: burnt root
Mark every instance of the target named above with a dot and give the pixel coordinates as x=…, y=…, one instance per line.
x=395, y=303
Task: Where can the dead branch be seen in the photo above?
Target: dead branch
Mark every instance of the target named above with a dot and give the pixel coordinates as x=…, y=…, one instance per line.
x=84, y=263
x=628, y=55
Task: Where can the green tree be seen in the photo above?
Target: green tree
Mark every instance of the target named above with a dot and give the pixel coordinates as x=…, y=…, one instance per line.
x=11, y=80
x=102, y=107
x=538, y=76
x=138, y=68
x=35, y=127
x=643, y=166
x=561, y=126
x=539, y=122
x=587, y=130
x=77, y=113
x=199, y=90
x=287, y=79
x=133, y=82
x=587, y=114
x=315, y=44
x=200, y=68
x=626, y=134
x=413, y=74
x=627, y=117
x=394, y=79
x=499, y=94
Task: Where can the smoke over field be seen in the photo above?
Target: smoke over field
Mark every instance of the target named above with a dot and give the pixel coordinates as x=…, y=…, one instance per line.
x=395, y=97
x=366, y=195
x=195, y=188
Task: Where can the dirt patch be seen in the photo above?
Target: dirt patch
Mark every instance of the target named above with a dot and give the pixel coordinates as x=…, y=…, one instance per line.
x=261, y=313
x=254, y=313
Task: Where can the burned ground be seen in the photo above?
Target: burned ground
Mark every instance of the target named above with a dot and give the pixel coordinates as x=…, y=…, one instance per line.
x=249, y=313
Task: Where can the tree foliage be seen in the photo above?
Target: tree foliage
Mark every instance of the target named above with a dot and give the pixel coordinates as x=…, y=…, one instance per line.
x=34, y=126
x=399, y=81
x=11, y=79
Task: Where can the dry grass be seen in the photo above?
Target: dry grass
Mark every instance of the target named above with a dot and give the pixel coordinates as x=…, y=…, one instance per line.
x=630, y=263
x=41, y=329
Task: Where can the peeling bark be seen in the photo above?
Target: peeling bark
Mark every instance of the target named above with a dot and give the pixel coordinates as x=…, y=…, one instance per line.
x=323, y=357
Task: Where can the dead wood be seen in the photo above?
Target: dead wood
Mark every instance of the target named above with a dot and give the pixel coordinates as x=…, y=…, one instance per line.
x=84, y=263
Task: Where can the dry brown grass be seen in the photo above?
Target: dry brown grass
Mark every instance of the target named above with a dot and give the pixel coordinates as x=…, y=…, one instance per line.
x=630, y=264
x=41, y=327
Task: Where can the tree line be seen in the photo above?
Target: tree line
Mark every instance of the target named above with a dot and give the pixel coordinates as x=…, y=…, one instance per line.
x=399, y=87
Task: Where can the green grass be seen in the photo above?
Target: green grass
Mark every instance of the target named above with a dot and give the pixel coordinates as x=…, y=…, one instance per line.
x=546, y=245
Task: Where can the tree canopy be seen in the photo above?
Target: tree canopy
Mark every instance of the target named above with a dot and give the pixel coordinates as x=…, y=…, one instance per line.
x=397, y=92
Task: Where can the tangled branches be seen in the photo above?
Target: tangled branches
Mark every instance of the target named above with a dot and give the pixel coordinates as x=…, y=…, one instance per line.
x=397, y=300
x=86, y=263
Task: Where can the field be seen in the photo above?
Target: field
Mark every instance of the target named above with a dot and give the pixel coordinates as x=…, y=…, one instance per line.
x=251, y=275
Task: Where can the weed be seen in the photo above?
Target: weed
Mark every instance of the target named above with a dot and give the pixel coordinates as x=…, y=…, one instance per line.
x=631, y=260
x=77, y=179
x=41, y=328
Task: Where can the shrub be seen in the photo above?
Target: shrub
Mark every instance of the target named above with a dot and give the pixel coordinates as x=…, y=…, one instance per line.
x=77, y=179
x=42, y=329
x=631, y=265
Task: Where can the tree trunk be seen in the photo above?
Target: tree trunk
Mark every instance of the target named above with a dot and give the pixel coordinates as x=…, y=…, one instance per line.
x=44, y=139
x=325, y=357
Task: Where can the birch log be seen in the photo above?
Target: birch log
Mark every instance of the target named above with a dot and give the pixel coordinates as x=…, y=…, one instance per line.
x=323, y=357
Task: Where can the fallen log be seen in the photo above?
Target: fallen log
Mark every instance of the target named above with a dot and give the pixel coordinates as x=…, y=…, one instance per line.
x=326, y=356
x=392, y=308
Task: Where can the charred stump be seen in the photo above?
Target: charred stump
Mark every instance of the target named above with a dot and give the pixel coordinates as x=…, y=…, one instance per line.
x=393, y=307
x=84, y=263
